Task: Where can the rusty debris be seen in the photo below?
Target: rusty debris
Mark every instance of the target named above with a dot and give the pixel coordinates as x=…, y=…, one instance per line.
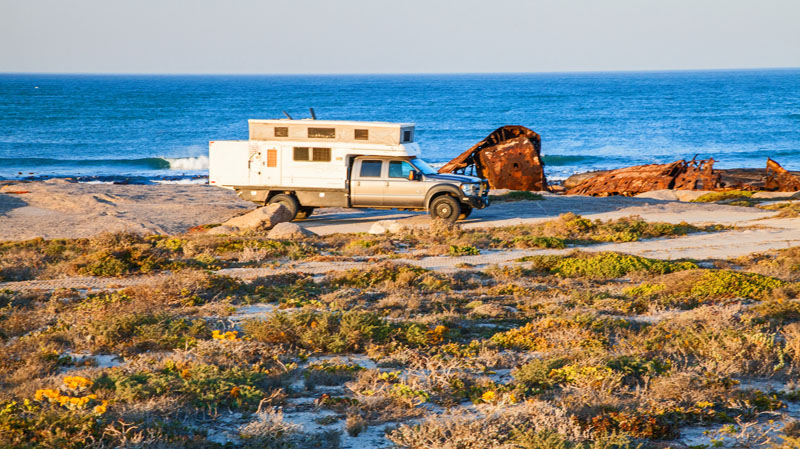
x=509, y=158
x=779, y=179
x=697, y=175
x=678, y=175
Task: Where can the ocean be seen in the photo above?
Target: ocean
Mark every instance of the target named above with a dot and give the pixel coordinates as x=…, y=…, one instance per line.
x=135, y=128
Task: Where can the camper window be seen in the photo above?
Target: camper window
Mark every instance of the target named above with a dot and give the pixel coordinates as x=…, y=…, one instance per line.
x=301, y=154
x=407, y=135
x=281, y=131
x=312, y=154
x=322, y=154
x=322, y=133
x=371, y=169
x=362, y=134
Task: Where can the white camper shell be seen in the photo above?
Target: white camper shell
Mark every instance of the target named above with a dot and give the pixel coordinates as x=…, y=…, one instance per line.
x=310, y=163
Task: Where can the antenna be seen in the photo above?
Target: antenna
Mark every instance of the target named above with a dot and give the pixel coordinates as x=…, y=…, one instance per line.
x=287, y=115
x=313, y=115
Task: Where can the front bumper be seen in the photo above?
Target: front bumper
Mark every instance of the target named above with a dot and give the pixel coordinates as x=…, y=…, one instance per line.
x=476, y=202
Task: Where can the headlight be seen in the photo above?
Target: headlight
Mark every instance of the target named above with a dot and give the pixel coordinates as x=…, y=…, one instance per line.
x=470, y=189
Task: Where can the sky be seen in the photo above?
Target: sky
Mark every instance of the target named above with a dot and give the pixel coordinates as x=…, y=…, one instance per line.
x=401, y=36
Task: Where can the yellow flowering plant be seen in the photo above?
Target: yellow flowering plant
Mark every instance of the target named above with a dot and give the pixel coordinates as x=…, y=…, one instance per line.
x=64, y=396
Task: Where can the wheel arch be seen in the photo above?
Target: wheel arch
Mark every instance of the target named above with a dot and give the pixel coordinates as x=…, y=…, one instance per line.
x=439, y=190
x=272, y=193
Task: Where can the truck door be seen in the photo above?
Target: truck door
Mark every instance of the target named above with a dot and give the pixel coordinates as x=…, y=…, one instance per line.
x=367, y=183
x=400, y=191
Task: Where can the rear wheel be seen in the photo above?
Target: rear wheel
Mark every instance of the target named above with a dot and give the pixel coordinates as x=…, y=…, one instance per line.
x=288, y=201
x=465, y=211
x=446, y=208
x=304, y=212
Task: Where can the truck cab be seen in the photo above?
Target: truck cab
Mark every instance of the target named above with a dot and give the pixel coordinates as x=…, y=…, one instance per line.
x=307, y=164
x=410, y=183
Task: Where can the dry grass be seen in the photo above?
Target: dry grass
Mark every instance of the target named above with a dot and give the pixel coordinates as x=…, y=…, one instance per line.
x=565, y=352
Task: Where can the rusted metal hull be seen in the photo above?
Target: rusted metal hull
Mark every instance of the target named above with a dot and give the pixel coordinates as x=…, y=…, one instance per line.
x=684, y=175
x=509, y=158
x=679, y=175
x=779, y=179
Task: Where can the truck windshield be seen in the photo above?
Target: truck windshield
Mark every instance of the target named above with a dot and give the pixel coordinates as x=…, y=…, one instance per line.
x=423, y=166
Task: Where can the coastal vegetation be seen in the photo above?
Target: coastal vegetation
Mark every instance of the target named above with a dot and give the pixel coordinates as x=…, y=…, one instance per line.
x=572, y=349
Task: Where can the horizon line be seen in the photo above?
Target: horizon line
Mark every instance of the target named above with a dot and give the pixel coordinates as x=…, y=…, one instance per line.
x=553, y=72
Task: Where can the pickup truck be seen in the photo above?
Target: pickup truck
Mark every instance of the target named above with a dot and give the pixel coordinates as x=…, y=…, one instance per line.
x=307, y=164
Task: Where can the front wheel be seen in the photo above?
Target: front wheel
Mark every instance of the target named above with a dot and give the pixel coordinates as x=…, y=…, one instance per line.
x=446, y=208
x=465, y=211
x=288, y=202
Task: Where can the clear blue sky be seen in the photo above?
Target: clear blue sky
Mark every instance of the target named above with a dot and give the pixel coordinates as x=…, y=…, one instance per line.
x=401, y=36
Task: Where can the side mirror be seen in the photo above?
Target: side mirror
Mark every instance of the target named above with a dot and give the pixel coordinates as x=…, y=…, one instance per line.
x=413, y=175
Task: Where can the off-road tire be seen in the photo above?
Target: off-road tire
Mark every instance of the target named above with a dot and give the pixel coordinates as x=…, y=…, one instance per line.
x=304, y=212
x=288, y=201
x=445, y=208
x=466, y=210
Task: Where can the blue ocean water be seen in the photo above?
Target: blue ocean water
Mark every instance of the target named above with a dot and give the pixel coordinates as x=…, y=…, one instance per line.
x=158, y=127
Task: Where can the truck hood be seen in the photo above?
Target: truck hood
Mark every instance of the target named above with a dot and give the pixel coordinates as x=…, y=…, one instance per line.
x=453, y=178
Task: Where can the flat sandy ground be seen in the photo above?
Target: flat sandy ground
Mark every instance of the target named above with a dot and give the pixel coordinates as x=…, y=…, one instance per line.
x=59, y=209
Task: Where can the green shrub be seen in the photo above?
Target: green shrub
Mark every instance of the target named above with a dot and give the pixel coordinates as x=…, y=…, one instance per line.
x=118, y=262
x=334, y=332
x=644, y=290
x=463, y=250
x=391, y=276
x=196, y=385
x=536, y=373
x=27, y=424
x=614, y=265
x=714, y=197
x=733, y=284
x=544, y=263
x=142, y=331
x=528, y=241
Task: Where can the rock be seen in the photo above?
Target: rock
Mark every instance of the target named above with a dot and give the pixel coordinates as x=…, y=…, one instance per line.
x=775, y=195
x=287, y=231
x=663, y=194
x=390, y=226
x=262, y=218
x=690, y=195
x=673, y=195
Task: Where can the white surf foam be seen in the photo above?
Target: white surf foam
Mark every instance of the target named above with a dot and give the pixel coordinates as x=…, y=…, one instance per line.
x=188, y=163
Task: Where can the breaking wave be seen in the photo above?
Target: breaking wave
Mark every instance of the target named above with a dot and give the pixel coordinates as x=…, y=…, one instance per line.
x=188, y=163
x=147, y=163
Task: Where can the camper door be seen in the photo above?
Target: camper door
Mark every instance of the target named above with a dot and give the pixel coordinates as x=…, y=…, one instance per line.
x=263, y=165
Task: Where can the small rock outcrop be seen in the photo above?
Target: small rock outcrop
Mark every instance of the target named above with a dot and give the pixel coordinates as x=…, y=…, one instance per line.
x=288, y=231
x=390, y=226
x=261, y=219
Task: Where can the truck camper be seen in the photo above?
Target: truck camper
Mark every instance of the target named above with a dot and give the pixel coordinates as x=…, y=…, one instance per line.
x=306, y=164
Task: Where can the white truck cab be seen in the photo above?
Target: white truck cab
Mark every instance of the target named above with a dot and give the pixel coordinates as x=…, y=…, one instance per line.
x=305, y=164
